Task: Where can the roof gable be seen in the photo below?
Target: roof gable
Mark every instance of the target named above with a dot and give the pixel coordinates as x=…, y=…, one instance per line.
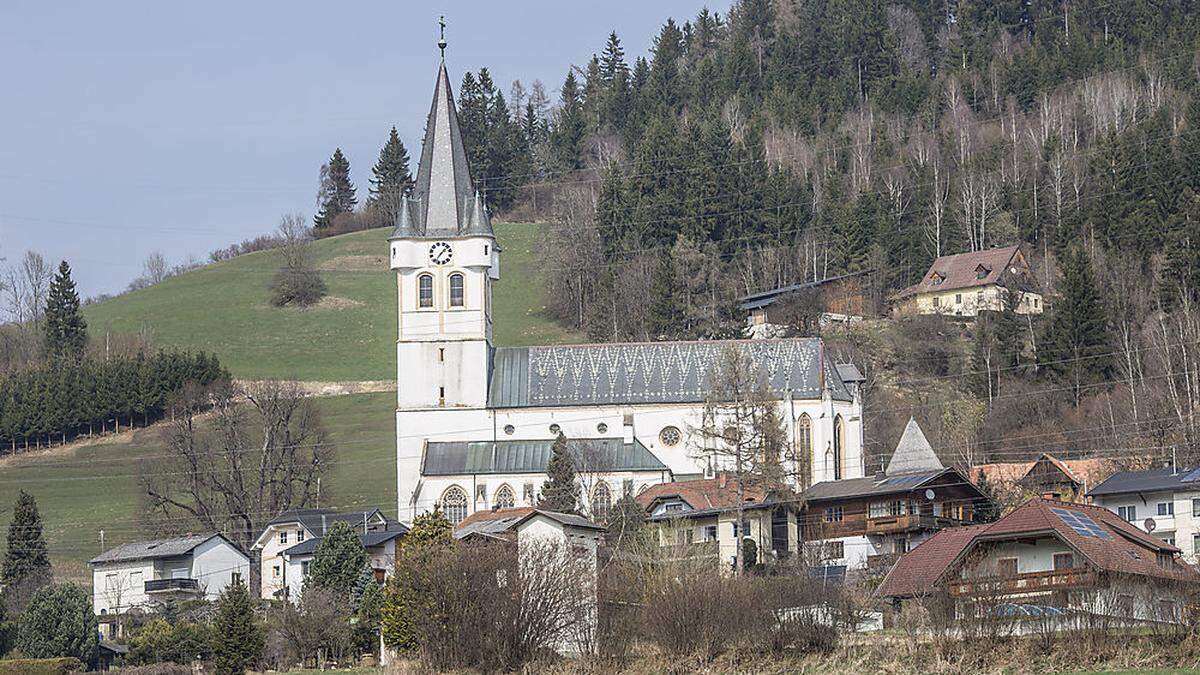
x=913, y=452
x=967, y=270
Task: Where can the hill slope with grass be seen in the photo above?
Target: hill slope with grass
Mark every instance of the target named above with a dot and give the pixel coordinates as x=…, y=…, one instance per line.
x=85, y=488
x=350, y=336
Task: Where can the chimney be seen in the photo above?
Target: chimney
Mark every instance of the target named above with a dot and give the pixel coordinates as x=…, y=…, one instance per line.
x=628, y=430
x=722, y=479
x=322, y=524
x=880, y=475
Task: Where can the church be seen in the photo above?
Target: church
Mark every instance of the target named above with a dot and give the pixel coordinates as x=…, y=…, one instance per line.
x=475, y=422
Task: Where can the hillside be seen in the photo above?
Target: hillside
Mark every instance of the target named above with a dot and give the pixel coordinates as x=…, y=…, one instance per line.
x=350, y=335
x=92, y=487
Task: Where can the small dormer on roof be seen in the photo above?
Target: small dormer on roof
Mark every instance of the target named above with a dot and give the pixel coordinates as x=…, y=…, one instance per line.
x=913, y=452
x=936, y=278
x=982, y=271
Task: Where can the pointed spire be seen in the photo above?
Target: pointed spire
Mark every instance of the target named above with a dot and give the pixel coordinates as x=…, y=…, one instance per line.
x=480, y=222
x=443, y=189
x=404, y=221
x=913, y=452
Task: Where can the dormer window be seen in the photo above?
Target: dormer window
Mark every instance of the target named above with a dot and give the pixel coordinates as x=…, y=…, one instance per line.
x=982, y=272
x=936, y=278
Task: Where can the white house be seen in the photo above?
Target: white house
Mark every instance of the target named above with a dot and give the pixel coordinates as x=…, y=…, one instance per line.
x=144, y=574
x=1164, y=502
x=288, y=542
x=475, y=422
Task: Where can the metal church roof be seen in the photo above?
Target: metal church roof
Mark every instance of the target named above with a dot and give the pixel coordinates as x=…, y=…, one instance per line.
x=456, y=458
x=652, y=372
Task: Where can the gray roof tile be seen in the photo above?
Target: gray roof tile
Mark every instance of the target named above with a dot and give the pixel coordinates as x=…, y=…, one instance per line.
x=456, y=458
x=913, y=452
x=1153, y=480
x=153, y=549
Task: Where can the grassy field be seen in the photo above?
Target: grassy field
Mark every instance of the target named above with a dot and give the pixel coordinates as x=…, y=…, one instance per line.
x=88, y=488
x=351, y=335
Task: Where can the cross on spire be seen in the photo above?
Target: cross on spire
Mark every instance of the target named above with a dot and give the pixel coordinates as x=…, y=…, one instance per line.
x=442, y=39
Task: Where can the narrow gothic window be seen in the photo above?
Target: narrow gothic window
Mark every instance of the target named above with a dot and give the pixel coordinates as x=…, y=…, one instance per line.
x=804, y=443
x=839, y=438
x=454, y=504
x=425, y=290
x=601, y=502
x=505, y=499
x=456, y=290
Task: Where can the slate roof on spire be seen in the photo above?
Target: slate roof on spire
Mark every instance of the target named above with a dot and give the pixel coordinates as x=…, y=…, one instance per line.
x=913, y=452
x=444, y=202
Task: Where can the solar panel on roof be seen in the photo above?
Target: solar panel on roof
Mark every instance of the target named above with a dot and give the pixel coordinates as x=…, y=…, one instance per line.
x=1081, y=523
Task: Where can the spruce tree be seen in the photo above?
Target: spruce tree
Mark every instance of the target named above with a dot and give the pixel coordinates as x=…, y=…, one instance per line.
x=664, y=318
x=65, y=330
x=338, y=560
x=238, y=639
x=1078, y=340
x=570, y=126
x=26, y=563
x=337, y=192
x=560, y=492
x=391, y=178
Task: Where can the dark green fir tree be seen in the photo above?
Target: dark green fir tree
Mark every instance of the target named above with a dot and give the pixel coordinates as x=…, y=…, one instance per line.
x=1078, y=341
x=336, y=194
x=65, y=328
x=26, y=563
x=391, y=177
x=238, y=639
x=338, y=560
x=560, y=492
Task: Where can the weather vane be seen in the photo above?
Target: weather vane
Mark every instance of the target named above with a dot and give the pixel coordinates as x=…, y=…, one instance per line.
x=442, y=41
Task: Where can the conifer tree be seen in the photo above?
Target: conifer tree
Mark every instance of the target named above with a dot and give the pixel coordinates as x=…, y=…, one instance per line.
x=1078, y=340
x=65, y=328
x=664, y=317
x=238, y=638
x=336, y=193
x=338, y=560
x=560, y=492
x=1181, y=273
x=391, y=178
x=570, y=126
x=428, y=530
x=26, y=563
x=473, y=101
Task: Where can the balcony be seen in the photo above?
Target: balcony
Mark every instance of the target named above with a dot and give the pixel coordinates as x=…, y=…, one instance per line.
x=909, y=523
x=1030, y=582
x=172, y=586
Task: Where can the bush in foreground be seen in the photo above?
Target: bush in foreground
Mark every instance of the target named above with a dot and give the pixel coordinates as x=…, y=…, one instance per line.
x=58, y=623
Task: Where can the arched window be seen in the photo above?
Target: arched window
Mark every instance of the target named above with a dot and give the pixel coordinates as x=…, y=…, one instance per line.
x=425, y=290
x=839, y=446
x=505, y=499
x=456, y=290
x=454, y=504
x=601, y=502
x=804, y=441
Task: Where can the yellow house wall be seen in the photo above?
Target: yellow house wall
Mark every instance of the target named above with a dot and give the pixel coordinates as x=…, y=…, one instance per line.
x=967, y=302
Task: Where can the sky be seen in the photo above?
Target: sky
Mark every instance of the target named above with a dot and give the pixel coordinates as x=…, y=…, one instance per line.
x=133, y=127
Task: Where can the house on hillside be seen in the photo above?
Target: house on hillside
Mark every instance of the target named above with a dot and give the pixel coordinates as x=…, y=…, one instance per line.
x=288, y=542
x=700, y=516
x=142, y=575
x=868, y=523
x=1046, y=558
x=1163, y=502
x=1067, y=480
x=964, y=284
x=839, y=299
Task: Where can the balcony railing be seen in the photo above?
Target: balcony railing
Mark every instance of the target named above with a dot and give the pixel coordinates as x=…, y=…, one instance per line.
x=172, y=586
x=909, y=523
x=1051, y=580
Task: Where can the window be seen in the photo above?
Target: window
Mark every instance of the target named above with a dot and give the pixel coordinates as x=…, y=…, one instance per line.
x=958, y=298
x=839, y=437
x=710, y=533
x=456, y=290
x=509, y=429
x=1196, y=508
x=505, y=499
x=304, y=567
x=1035, y=303
x=804, y=437
x=835, y=550
x=1166, y=508
x=1128, y=513
x=1195, y=544
x=673, y=507
x=1165, y=559
x=834, y=514
x=1006, y=567
x=1064, y=561
x=425, y=290
x=275, y=571
x=601, y=501
x=670, y=436
x=235, y=578
x=878, y=510
x=1168, y=539
x=299, y=535
x=110, y=581
x=937, y=302
x=454, y=504
x=555, y=429
x=602, y=428
x=283, y=537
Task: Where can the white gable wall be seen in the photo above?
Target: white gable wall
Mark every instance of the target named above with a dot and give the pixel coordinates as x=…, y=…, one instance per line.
x=214, y=564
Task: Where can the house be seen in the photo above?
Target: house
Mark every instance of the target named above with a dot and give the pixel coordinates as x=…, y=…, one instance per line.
x=144, y=574
x=868, y=523
x=839, y=299
x=1164, y=502
x=965, y=284
x=288, y=542
x=702, y=515
x=1046, y=558
x=1047, y=476
x=475, y=421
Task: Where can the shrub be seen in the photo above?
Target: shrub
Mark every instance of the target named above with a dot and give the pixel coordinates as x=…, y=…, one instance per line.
x=59, y=666
x=157, y=669
x=301, y=287
x=160, y=641
x=58, y=623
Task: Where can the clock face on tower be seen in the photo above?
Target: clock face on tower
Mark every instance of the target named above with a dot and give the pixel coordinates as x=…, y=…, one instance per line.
x=440, y=253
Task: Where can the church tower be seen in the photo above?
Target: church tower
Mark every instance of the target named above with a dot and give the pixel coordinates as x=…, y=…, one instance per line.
x=445, y=257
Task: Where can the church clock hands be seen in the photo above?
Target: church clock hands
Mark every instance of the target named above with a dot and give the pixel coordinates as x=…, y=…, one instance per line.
x=440, y=253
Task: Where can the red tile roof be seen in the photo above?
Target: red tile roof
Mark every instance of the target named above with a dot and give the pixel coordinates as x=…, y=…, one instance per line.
x=702, y=494
x=1089, y=472
x=961, y=271
x=1127, y=550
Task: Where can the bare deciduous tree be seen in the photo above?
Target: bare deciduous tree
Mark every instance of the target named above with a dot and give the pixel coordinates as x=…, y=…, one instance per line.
x=27, y=284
